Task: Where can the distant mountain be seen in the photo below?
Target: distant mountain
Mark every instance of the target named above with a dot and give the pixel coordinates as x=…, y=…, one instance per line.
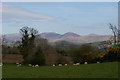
x=70, y=37
x=83, y=39
x=92, y=35
x=12, y=37
x=69, y=34
x=50, y=35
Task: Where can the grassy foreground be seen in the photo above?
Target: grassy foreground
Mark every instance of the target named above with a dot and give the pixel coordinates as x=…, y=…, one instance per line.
x=101, y=70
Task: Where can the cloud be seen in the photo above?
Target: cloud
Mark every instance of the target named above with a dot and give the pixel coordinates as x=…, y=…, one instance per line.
x=12, y=13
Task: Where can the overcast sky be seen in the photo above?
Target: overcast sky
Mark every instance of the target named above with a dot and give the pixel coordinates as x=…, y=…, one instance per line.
x=61, y=17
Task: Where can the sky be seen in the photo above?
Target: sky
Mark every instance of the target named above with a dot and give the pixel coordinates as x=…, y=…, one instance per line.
x=82, y=18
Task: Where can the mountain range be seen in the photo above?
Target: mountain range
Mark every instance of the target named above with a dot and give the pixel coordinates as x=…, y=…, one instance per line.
x=69, y=36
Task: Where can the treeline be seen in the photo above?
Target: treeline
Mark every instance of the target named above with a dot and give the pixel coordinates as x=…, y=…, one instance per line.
x=36, y=50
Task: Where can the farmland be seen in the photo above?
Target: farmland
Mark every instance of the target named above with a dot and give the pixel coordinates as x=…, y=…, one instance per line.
x=101, y=70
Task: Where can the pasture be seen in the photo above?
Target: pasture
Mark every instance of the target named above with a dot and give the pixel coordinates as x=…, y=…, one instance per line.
x=100, y=70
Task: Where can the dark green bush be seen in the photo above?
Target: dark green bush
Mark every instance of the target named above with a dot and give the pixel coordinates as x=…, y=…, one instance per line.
x=112, y=54
x=36, y=59
x=84, y=53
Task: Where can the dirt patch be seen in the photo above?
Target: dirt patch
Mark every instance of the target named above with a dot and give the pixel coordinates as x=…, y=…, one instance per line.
x=12, y=58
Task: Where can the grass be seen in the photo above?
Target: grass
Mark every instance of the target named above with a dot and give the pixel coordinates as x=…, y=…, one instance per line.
x=101, y=70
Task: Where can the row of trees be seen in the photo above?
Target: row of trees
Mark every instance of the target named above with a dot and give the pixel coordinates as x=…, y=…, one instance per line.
x=36, y=50
x=34, y=53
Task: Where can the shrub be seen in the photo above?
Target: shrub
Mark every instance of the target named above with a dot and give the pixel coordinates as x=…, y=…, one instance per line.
x=61, y=60
x=99, y=57
x=112, y=54
x=82, y=54
x=36, y=58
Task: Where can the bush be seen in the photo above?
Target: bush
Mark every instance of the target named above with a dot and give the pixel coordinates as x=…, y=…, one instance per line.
x=82, y=54
x=36, y=58
x=112, y=54
x=61, y=60
x=99, y=57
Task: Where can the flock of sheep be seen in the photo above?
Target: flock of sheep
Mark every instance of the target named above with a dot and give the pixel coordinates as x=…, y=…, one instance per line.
x=30, y=65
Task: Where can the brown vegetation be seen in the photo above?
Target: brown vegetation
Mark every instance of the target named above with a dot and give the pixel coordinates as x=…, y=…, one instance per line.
x=12, y=58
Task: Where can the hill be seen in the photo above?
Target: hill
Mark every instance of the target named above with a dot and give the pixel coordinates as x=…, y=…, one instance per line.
x=50, y=35
x=70, y=37
x=69, y=34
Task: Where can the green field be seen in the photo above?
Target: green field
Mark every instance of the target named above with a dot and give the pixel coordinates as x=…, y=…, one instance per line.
x=101, y=70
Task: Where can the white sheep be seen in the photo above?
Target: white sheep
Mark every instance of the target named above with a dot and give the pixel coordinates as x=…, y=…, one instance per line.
x=18, y=65
x=85, y=63
x=77, y=63
x=29, y=64
x=98, y=62
x=65, y=64
x=53, y=64
x=36, y=65
x=60, y=64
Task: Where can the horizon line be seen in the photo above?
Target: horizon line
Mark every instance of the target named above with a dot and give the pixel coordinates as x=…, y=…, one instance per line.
x=61, y=33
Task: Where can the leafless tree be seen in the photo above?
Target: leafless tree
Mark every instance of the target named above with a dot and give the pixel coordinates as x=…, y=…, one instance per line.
x=115, y=32
x=28, y=37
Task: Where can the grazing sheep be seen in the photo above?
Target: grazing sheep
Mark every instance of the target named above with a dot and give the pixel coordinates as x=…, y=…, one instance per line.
x=29, y=64
x=53, y=64
x=36, y=65
x=77, y=63
x=65, y=64
x=85, y=63
x=18, y=65
x=60, y=64
x=98, y=62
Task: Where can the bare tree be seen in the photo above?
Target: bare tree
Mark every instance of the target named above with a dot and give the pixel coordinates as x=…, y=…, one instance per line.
x=115, y=32
x=3, y=39
x=27, y=44
x=4, y=46
x=119, y=34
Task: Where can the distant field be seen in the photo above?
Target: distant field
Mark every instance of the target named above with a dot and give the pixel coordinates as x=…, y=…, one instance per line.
x=102, y=70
